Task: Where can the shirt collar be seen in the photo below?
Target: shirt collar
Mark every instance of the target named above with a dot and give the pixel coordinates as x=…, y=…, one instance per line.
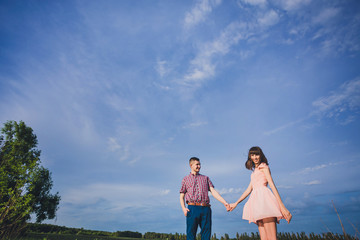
x=196, y=174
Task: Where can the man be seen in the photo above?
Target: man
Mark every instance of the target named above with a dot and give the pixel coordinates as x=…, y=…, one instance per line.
x=194, y=191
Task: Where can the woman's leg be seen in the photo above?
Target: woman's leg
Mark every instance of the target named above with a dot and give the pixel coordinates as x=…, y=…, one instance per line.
x=270, y=228
x=261, y=230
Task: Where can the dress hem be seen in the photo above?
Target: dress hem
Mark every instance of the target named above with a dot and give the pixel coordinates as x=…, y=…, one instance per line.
x=254, y=221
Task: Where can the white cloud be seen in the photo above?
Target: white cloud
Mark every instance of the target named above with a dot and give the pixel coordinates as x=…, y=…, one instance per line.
x=195, y=124
x=199, y=12
x=281, y=128
x=122, y=151
x=326, y=15
x=202, y=66
x=255, y=2
x=202, y=70
x=314, y=182
x=291, y=5
x=161, y=68
x=312, y=169
x=346, y=98
x=165, y=192
x=317, y=167
x=224, y=191
x=113, y=144
x=269, y=19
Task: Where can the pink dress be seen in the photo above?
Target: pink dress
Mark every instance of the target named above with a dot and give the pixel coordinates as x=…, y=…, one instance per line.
x=262, y=202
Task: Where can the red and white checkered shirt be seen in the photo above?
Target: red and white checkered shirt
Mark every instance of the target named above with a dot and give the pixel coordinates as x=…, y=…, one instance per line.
x=196, y=188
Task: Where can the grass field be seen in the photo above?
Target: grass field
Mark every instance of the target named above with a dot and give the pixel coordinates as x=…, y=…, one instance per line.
x=54, y=236
x=281, y=236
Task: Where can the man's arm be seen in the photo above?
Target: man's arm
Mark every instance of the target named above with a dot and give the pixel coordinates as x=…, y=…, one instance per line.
x=182, y=203
x=218, y=197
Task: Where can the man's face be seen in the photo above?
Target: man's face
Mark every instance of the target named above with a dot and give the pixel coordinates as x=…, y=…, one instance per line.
x=195, y=166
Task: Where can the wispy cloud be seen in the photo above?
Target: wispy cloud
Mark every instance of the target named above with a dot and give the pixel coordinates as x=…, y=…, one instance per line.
x=326, y=15
x=312, y=169
x=203, y=65
x=285, y=126
x=291, y=5
x=255, y=2
x=225, y=191
x=346, y=98
x=199, y=12
x=195, y=124
x=122, y=152
x=161, y=67
x=314, y=182
x=269, y=18
x=164, y=192
x=316, y=168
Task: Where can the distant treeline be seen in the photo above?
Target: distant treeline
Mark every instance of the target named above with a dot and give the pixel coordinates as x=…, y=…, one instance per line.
x=49, y=228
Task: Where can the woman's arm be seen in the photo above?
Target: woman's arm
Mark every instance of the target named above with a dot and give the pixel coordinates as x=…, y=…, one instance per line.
x=287, y=215
x=242, y=197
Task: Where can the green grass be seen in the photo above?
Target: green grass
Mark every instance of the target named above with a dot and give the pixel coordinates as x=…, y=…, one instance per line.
x=281, y=236
x=55, y=236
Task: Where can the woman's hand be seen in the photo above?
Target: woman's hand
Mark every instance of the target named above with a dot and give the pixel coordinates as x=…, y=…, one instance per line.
x=287, y=215
x=232, y=206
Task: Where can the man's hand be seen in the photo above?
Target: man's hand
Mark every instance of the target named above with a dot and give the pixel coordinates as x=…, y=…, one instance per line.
x=227, y=207
x=186, y=210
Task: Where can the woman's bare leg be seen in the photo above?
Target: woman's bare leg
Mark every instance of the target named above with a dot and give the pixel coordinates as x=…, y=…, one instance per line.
x=262, y=231
x=269, y=225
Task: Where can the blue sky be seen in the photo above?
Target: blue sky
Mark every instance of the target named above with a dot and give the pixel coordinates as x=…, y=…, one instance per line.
x=122, y=93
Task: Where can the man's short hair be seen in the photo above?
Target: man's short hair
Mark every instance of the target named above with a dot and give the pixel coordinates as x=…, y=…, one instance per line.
x=193, y=159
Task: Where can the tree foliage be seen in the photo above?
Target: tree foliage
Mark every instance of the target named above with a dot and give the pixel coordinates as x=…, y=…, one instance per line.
x=24, y=184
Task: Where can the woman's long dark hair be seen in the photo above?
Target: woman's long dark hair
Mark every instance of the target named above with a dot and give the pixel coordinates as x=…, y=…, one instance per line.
x=257, y=151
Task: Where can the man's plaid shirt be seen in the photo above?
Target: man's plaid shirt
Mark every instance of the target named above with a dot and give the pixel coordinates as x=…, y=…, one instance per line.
x=196, y=188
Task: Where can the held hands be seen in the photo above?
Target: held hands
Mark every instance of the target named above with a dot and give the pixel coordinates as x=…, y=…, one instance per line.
x=232, y=206
x=227, y=206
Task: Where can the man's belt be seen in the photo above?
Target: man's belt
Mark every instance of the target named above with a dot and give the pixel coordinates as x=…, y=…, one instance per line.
x=199, y=204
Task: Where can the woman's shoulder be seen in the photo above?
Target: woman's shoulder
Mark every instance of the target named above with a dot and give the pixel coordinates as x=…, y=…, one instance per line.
x=263, y=166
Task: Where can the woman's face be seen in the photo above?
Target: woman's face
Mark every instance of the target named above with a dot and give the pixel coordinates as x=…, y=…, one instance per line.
x=255, y=158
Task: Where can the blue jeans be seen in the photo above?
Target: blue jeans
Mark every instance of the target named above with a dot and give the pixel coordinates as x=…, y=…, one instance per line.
x=198, y=216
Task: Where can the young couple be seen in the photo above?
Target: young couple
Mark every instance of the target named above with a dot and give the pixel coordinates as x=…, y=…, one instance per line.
x=264, y=208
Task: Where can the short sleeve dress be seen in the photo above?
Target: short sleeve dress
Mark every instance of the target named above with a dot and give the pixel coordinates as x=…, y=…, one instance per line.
x=262, y=202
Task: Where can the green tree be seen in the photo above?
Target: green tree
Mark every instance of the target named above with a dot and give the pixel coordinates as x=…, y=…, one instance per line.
x=24, y=184
x=214, y=237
